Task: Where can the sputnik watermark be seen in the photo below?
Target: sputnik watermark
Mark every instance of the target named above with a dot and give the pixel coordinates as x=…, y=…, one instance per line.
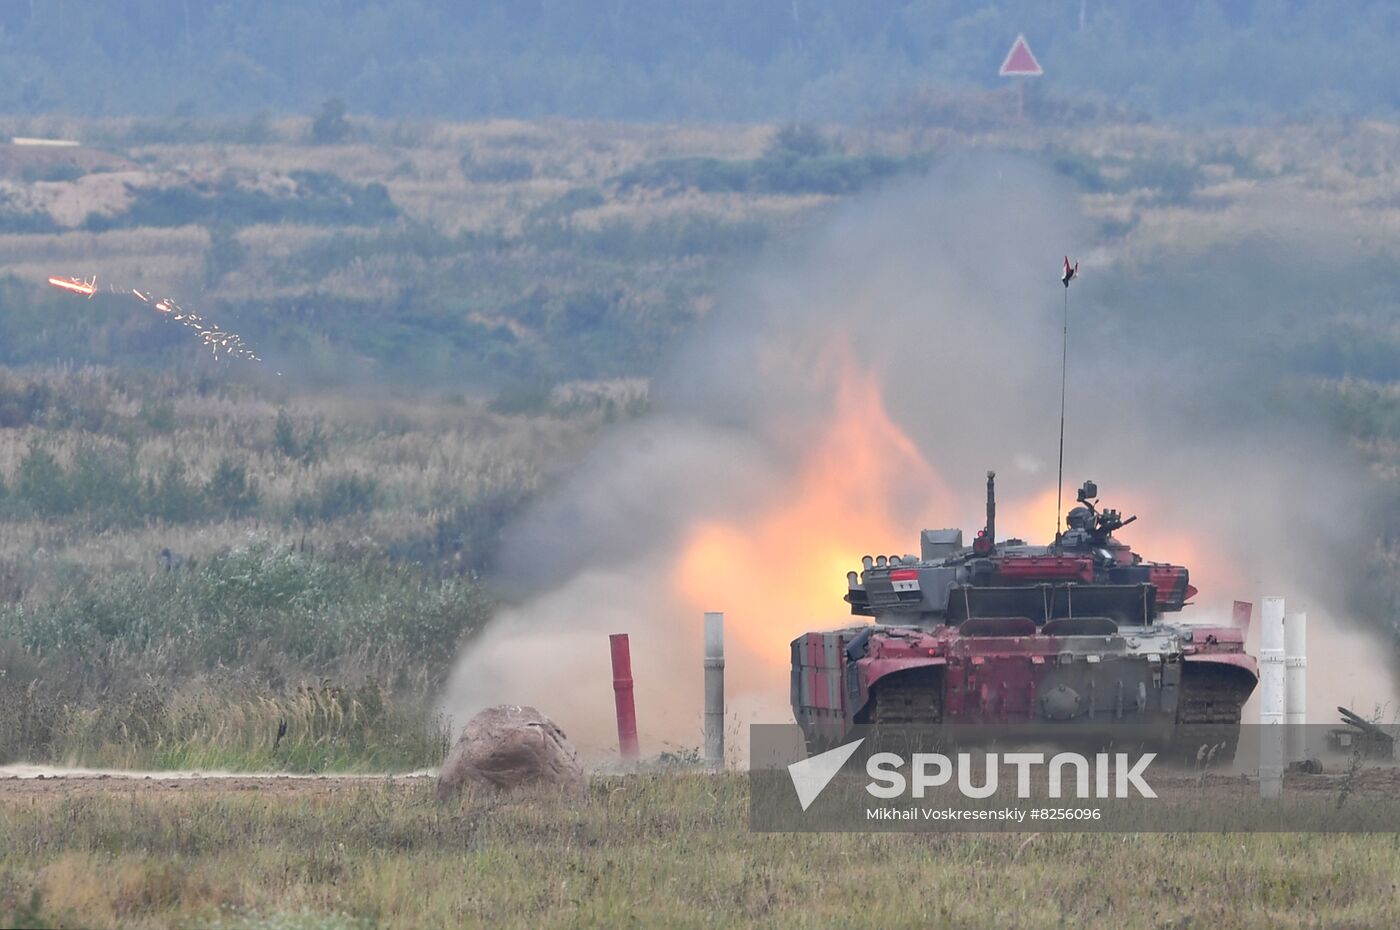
x=934, y=770
x=1012, y=814
x=1100, y=778
x=811, y=776
x=892, y=776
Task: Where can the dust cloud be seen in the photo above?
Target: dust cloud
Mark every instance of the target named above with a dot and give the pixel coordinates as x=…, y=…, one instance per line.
x=943, y=295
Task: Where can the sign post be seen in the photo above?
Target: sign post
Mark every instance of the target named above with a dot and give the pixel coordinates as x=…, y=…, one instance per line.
x=1020, y=63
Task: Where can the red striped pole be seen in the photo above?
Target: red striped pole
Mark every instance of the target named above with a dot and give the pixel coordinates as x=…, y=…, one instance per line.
x=622, y=690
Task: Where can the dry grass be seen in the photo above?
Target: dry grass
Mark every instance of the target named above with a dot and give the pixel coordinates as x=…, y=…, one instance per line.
x=227, y=728
x=428, y=454
x=650, y=850
x=1343, y=167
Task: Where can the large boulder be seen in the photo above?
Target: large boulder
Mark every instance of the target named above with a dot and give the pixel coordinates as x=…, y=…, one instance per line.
x=507, y=747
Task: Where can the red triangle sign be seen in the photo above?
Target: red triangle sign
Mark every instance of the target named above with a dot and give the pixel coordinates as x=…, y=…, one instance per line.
x=1019, y=61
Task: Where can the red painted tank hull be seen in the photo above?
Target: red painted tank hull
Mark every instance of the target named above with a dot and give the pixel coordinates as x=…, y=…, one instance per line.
x=1012, y=672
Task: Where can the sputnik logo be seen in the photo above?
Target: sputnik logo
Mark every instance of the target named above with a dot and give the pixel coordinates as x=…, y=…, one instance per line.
x=811, y=776
x=933, y=770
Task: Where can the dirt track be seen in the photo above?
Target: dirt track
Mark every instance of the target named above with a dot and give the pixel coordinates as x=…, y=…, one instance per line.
x=19, y=780
x=1374, y=780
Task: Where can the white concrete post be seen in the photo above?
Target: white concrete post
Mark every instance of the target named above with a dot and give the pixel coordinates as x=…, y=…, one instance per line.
x=1295, y=649
x=714, y=689
x=1271, y=698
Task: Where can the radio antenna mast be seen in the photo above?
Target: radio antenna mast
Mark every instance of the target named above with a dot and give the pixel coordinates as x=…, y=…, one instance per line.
x=1065, y=277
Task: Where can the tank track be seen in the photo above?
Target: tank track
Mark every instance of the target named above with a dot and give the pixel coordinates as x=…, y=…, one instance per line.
x=908, y=707
x=913, y=698
x=1208, y=717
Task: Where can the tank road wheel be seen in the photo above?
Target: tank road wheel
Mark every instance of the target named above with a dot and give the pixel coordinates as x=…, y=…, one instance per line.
x=1208, y=715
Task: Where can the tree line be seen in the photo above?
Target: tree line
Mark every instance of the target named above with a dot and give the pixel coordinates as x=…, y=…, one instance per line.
x=1220, y=60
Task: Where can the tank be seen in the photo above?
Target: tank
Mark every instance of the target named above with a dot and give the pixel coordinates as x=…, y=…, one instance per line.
x=1066, y=640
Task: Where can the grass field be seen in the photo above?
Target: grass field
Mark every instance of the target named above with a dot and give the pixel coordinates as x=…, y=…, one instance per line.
x=323, y=571
x=449, y=354
x=645, y=850
x=461, y=311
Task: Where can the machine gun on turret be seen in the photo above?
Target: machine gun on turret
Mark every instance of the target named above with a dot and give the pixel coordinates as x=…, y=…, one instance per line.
x=1088, y=526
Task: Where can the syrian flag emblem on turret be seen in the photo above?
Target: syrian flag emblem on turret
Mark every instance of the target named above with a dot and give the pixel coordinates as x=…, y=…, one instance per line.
x=1070, y=271
x=904, y=579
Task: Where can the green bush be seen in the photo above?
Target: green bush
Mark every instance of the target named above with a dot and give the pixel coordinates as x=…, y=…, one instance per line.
x=496, y=170
x=782, y=171
x=104, y=489
x=336, y=497
x=526, y=398
x=800, y=139
x=52, y=172
x=159, y=416
x=1351, y=349
x=171, y=497
x=317, y=198
x=225, y=255
x=36, y=403
x=305, y=447
x=42, y=485
x=1173, y=181
x=578, y=198
x=16, y=219
x=330, y=125
x=1368, y=413
x=230, y=491
x=465, y=541
x=100, y=484
x=1082, y=170
x=1168, y=180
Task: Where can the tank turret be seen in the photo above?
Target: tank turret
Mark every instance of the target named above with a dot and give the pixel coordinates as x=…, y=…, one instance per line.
x=1086, y=571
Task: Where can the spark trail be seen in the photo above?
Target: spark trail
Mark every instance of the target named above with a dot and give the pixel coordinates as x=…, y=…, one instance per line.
x=76, y=285
x=219, y=341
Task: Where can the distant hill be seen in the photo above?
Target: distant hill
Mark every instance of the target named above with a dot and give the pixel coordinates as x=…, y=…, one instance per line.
x=676, y=59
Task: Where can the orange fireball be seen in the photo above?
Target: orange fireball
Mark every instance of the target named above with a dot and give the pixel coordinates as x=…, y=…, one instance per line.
x=783, y=569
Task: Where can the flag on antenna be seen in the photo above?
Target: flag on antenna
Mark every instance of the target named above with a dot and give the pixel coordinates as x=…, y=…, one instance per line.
x=1069, y=272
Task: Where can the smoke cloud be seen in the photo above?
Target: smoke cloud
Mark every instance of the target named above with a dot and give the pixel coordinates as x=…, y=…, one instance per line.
x=941, y=294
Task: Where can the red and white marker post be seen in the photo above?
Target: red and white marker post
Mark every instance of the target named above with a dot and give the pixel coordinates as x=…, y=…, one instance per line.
x=622, y=692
